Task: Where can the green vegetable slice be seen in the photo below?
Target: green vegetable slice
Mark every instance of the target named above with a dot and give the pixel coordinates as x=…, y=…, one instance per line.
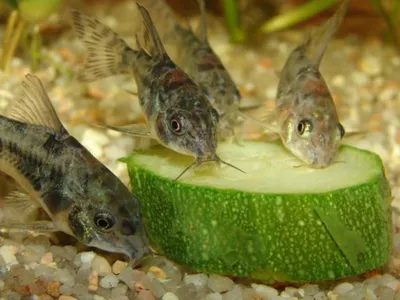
x=277, y=222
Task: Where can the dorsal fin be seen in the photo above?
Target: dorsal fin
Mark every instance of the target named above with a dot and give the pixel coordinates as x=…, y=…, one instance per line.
x=33, y=106
x=203, y=21
x=318, y=41
x=150, y=34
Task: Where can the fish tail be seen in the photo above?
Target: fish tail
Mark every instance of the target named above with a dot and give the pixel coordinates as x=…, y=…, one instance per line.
x=318, y=42
x=107, y=53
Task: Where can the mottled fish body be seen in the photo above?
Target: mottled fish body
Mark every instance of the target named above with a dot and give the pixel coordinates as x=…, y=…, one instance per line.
x=197, y=58
x=177, y=111
x=305, y=113
x=81, y=196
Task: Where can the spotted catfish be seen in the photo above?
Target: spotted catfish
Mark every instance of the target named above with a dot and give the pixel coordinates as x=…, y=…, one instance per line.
x=177, y=111
x=197, y=58
x=81, y=196
x=305, y=114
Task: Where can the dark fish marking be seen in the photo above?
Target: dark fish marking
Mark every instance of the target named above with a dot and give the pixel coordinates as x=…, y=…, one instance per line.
x=164, y=65
x=72, y=142
x=52, y=146
x=176, y=79
x=128, y=227
x=208, y=62
x=317, y=86
x=56, y=200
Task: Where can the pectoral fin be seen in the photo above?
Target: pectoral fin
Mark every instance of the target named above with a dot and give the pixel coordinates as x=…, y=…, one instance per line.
x=19, y=202
x=39, y=226
x=354, y=134
x=268, y=121
x=132, y=129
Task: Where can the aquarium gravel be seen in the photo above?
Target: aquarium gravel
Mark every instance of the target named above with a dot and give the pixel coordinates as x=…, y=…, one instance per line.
x=364, y=77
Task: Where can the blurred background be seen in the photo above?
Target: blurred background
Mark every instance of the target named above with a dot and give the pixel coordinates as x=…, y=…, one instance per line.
x=32, y=22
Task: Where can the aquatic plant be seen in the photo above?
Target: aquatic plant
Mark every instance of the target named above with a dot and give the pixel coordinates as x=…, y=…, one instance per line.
x=25, y=14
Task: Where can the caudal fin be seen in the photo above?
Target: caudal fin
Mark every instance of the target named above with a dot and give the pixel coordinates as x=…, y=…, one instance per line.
x=318, y=42
x=107, y=52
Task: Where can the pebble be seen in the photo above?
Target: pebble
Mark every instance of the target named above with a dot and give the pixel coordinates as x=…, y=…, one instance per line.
x=118, y=266
x=1, y=285
x=156, y=288
x=87, y=257
x=169, y=296
x=109, y=281
x=63, y=297
x=145, y=295
x=47, y=258
x=384, y=293
x=310, y=289
x=65, y=276
x=157, y=272
x=343, y=288
x=219, y=283
x=199, y=281
x=93, y=141
x=235, y=294
x=101, y=266
x=53, y=288
x=45, y=297
x=264, y=291
x=214, y=296
x=97, y=297
x=320, y=296
x=93, y=281
x=119, y=291
x=8, y=253
x=370, y=65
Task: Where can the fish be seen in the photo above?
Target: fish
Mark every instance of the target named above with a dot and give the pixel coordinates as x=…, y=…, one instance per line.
x=305, y=116
x=81, y=196
x=198, y=59
x=177, y=112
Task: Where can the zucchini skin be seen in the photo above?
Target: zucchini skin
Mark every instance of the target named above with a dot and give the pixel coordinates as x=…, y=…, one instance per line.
x=269, y=237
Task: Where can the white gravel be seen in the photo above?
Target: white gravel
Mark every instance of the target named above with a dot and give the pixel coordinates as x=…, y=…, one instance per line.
x=364, y=77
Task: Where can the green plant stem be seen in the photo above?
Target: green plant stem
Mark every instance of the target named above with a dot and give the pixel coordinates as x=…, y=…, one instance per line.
x=300, y=14
x=12, y=19
x=231, y=13
x=390, y=20
x=35, y=48
x=13, y=44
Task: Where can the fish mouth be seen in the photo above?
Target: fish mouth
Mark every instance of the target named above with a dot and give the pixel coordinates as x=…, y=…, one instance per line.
x=137, y=256
x=205, y=162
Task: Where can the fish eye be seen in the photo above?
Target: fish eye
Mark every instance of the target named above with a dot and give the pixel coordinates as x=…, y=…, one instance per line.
x=104, y=220
x=341, y=131
x=304, y=127
x=176, y=125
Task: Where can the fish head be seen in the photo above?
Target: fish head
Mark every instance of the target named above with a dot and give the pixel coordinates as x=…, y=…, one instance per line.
x=110, y=218
x=189, y=131
x=313, y=137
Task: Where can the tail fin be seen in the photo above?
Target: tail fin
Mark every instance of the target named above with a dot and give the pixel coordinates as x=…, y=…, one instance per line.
x=107, y=52
x=155, y=47
x=317, y=43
